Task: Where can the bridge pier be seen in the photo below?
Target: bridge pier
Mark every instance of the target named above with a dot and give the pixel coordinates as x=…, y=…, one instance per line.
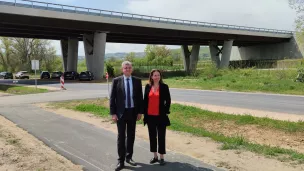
x=215, y=53
x=64, y=52
x=275, y=51
x=225, y=53
x=95, y=46
x=88, y=43
x=190, y=58
x=72, y=54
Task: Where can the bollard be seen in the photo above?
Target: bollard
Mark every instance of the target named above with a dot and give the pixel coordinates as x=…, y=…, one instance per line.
x=62, y=82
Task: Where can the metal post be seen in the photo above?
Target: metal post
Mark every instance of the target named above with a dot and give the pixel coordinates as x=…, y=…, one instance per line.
x=108, y=89
x=35, y=76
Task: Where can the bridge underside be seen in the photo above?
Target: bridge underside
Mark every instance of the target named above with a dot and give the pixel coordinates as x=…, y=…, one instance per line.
x=96, y=34
x=57, y=29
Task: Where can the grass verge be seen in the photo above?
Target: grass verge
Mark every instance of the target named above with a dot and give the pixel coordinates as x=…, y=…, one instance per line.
x=12, y=89
x=187, y=119
x=242, y=80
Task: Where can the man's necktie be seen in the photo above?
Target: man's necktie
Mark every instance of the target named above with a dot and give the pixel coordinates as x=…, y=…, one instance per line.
x=128, y=94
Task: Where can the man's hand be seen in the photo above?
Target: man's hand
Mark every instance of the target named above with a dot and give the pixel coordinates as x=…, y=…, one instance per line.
x=114, y=118
x=139, y=117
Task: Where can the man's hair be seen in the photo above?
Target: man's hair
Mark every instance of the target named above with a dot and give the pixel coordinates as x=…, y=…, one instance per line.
x=125, y=63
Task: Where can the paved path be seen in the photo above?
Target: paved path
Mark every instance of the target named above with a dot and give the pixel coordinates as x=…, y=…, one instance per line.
x=88, y=145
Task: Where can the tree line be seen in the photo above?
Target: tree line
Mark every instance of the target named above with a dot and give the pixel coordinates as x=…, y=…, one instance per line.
x=16, y=54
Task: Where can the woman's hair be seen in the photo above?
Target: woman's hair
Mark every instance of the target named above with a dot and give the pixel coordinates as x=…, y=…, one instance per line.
x=151, y=74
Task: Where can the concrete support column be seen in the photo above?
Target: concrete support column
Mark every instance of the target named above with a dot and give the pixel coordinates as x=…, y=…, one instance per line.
x=64, y=52
x=194, y=57
x=186, y=57
x=99, y=54
x=72, y=54
x=88, y=43
x=214, y=52
x=190, y=58
x=226, y=53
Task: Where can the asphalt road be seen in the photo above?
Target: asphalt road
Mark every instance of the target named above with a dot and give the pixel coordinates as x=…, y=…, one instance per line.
x=90, y=146
x=256, y=101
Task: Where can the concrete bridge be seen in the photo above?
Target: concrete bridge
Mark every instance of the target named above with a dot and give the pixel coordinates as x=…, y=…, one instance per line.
x=70, y=24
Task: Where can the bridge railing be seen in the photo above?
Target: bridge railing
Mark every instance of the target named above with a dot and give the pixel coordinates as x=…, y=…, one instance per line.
x=130, y=16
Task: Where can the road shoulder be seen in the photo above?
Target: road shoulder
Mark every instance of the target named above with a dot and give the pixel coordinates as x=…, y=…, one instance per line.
x=22, y=151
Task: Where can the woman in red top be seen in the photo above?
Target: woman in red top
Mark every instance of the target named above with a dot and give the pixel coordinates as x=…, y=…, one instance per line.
x=157, y=103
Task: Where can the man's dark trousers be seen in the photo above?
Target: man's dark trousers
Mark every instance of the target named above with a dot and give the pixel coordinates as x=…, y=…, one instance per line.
x=126, y=122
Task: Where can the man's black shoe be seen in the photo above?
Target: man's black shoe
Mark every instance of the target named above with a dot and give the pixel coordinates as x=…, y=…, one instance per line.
x=119, y=166
x=131, y=162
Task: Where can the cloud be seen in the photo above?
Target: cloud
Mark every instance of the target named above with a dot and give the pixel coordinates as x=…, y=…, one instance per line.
x=274, y=14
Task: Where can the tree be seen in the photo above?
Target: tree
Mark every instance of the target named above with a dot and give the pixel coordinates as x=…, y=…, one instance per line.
x=150, y=52
x=298, y=5
x=130, y=57
x=157, y=54
x=176, y=55
x=7, y=58
x=17, y=53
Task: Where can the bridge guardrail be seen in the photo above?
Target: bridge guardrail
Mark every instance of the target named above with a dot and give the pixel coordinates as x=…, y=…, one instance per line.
x=130, y=16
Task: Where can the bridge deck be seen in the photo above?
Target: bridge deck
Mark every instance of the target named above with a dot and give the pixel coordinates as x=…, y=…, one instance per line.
x=46, y=20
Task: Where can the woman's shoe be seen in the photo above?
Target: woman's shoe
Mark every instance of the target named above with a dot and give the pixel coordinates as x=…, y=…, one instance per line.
x=162, y=162
x=153, y=160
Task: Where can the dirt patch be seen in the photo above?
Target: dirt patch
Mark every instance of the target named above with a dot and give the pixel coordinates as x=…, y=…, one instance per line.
x=22, y=151
x=259, y=135
x=46, y=87
x=253, y=133
x=201, y=148
x=4, y=94
x=243, y=111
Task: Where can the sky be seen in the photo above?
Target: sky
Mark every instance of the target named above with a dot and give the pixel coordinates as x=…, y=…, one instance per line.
x=273, y=14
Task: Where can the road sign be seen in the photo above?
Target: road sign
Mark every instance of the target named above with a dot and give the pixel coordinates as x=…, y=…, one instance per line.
x=35, y=64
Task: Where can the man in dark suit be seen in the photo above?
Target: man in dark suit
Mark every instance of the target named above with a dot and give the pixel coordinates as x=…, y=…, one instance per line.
x=126, y=103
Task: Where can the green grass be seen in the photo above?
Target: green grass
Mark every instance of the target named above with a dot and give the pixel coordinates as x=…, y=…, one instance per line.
x=12, y=89
x=188, y=119
x=187, y=112
x=243, y=80
x=94, y=109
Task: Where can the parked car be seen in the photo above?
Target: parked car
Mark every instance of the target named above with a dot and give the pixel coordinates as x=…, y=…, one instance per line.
x=45, y=75
x=6, y=75
x=56, y=74
x=22, y=75
x=71, y=75
x=86, y=75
